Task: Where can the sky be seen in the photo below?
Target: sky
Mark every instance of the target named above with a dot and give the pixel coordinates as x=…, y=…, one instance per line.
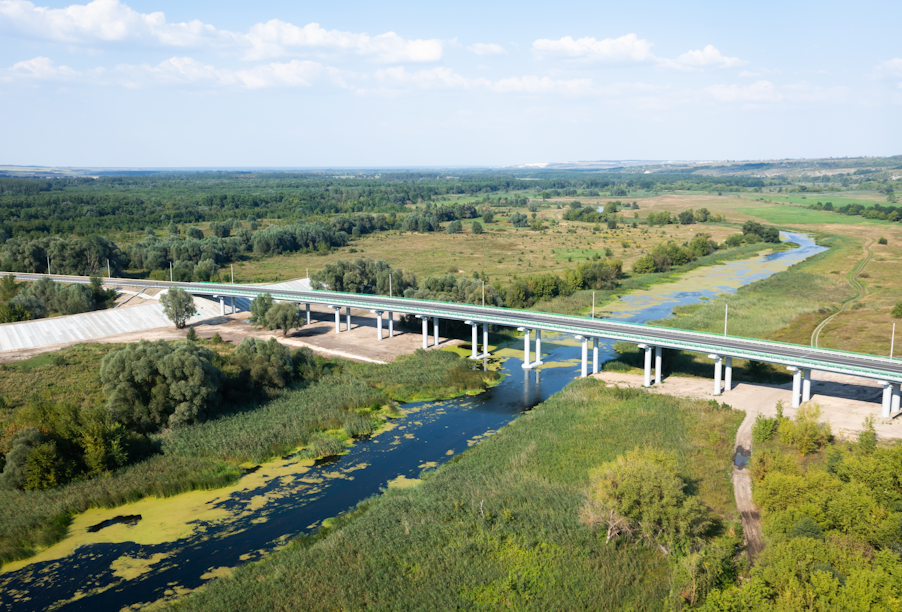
x=156, y=83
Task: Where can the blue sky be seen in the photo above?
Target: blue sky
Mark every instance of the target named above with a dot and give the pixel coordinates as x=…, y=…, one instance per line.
x=160, y=83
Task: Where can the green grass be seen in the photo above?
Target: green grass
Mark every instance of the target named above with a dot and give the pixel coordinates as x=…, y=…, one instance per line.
x=823, y=198
x=499, y=527
x=791, y=215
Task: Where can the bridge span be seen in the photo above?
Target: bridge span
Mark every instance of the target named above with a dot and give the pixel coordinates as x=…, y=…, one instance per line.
x=800, y=360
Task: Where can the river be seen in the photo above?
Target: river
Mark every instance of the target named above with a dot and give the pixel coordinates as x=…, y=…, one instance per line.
x=180, y=543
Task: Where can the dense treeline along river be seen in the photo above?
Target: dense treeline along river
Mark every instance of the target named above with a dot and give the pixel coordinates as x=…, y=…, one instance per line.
x=216, y=530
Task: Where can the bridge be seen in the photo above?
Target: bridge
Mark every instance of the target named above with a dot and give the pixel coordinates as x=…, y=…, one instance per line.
x=800, y=360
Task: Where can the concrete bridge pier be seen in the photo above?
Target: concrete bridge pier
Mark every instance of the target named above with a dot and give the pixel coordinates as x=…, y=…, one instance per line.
x=221, y=305
x=348, y=316
x=595, y=355
x=378, y=314
x=648, y=349
x=886, y=404
x=475, y=329
x=658, y=365
x=485, y=339
x=806, y=385
x=391, y=324
x=895, y=399
x=727, y=374
x=527, y=364
x=585, y=366
x=718, y=362
x=538, y=360
x=308, y=313
x=337, y=310
x=796, y=385
x=435, y=331
x=233, y=305
x=425, y=321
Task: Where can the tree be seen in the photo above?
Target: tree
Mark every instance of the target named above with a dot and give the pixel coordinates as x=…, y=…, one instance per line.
x=455, y=227
x=178, y=306
x=476, y=228
x=9, y=287
x=284, y=316
x=488, y=216
x=644, y=265
x=260, y=305
x=21, y=447
x=519, y=220
x=150, y=385
x=195, y=233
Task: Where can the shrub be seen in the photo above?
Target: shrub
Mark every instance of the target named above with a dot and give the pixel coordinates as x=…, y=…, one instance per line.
x=260, y=305
x=476, y=228
x=639, y=494
x=191, y=335
x=897, y=310
x=882, y=240
x=806, y=528
x=323, y=445
x=764, y=429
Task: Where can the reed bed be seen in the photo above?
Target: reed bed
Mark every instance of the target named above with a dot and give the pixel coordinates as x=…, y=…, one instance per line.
x=34, y=519
x=499, y=528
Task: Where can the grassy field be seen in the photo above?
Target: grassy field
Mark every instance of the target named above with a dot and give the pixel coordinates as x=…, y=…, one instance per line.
x=865, y=198
x=793, y=215
x=502, y=252
x=500, y=527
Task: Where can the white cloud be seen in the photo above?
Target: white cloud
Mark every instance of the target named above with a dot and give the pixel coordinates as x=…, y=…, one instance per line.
x=276, y=37
x=445, y=78
x=437, y=78
x=625, y=48
x=111, y=21
x=101, y=21
x=487, y=49
x=749, y=74
x=43, y=68
x=891, y=67
x=709, y=57
x=759, y=91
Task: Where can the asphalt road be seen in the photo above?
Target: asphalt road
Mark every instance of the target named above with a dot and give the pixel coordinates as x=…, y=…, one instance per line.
x=761, y=350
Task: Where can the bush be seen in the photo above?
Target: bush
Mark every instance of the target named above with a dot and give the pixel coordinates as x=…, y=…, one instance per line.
x=882, y=240
x=764, y=429
x=897, y=310
x=806, y=528
x=476, y=228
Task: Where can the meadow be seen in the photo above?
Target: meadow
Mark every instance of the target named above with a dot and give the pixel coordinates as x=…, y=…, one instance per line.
x=499, y=527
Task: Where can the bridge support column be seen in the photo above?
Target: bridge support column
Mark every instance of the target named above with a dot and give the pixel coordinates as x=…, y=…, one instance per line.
x=308, y=313
x=538, y=360
x=391, y=324
x=475, y=329
x=221, y=306
x=585, y=368
x=435, y=331
x=796, y=385
x=806, y=384
x=895, y=400
x=527, y=364
x=595, y=355
x=728, y=374
x=233, y=305
x=485, y=339
x=425, y=321
x=887, y=399
x=658, y=365
x=718, y=361
x=378, y=323
x=648, y=350
x=337, y=318
x=348, y=317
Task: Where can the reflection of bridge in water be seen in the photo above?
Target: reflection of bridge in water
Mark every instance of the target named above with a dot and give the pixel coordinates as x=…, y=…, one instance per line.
x=801, y=360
